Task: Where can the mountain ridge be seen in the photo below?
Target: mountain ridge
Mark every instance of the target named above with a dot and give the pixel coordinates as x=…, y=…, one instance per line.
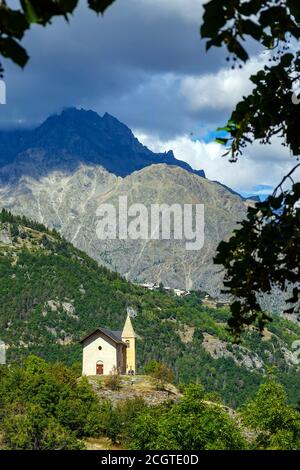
x=59, y=181
x=68, y=202
x=80, y=136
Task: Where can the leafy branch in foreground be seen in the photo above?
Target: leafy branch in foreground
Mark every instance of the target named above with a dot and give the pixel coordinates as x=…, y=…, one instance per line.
x=270, y=109
x=265, y=251
x=14, y=23
x=262, y=254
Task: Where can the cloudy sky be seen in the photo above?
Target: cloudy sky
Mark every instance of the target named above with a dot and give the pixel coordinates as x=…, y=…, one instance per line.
x=144, y=63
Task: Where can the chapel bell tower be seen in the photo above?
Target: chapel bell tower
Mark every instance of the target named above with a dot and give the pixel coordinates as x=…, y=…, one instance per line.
x=129, y=337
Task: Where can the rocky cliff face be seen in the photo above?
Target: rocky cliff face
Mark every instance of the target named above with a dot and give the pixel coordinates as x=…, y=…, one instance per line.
x=68, y=201
x=62, y=171
x=75, y=136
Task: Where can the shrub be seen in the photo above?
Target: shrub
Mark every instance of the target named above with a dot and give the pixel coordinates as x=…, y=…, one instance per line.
x=113, y=382
x=161, y=373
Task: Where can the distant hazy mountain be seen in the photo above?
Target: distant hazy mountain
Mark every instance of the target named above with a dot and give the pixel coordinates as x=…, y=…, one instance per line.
x=78, y=136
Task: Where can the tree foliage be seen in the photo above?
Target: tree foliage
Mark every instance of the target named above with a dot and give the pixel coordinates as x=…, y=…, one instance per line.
x=191, y=424
x=161, y=373
x=276, y=424
x=43, y=406
x=269, y=110
x=14, y=23
x=265, y=252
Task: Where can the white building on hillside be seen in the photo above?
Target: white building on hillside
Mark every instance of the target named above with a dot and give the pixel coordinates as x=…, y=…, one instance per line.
x=106, y=352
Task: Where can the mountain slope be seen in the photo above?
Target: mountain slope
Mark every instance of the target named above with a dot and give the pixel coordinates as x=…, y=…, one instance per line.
x=58, y=174
x=68, y=201
x=51, y=294
x=75, y=136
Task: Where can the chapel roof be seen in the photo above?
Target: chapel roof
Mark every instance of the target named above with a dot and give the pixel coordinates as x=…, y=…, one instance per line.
x=113, y=335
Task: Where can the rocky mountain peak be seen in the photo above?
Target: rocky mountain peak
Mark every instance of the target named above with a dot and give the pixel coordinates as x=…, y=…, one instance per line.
x=79, y=136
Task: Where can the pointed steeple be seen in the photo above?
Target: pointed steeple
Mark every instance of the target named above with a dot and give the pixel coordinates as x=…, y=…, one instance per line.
x=128, y=331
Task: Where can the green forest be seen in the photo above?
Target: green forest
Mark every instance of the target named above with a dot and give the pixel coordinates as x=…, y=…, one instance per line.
x=45, y=406
x=52, y=294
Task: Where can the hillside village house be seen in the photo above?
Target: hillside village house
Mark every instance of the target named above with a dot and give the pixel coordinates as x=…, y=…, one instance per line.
x=106, y=352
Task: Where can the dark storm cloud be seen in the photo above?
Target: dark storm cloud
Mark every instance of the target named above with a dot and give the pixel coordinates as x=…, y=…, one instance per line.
x=128, y=63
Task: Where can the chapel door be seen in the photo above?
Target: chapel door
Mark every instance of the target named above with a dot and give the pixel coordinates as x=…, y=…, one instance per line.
x=99, y=369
